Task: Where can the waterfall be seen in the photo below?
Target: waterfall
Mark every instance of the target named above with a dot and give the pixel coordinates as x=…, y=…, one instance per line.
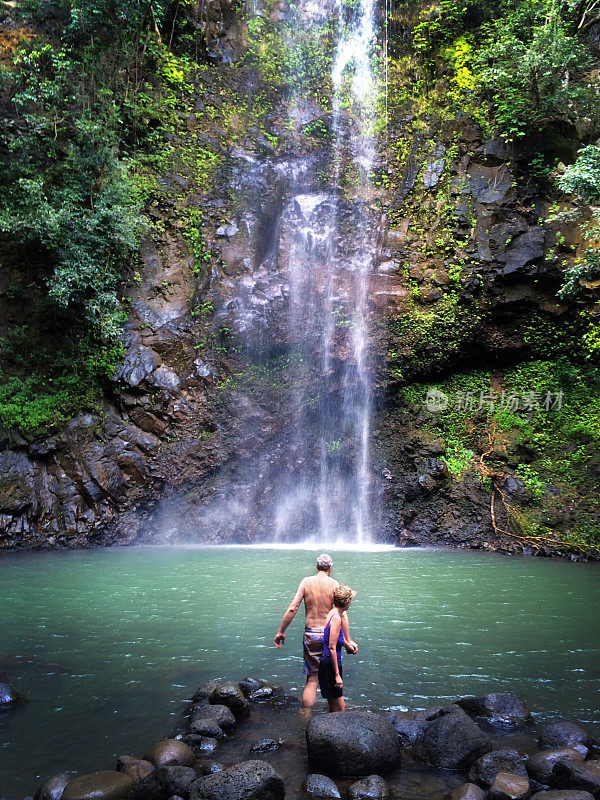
x=329, y=283
x=303, y=244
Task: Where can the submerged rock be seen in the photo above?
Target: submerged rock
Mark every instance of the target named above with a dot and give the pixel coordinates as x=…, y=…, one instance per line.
x=352, y=743
x=321, y=786
x=485, y=769
x=170, y=752
x=105, y=785
x=266, y=746
x=497, y=708
x=250, y=780
x=452, y=740
x=371, y=788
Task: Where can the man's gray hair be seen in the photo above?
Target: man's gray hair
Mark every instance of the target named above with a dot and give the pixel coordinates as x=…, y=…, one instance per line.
x=324, y=562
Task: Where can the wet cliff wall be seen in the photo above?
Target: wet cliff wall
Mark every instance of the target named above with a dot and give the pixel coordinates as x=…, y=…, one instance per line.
x=472, y=248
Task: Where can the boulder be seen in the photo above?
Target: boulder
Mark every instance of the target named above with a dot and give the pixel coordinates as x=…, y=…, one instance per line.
x=170, y=752
x=106, y=785
x=255, y=689
x=352, y=743
x=321, y=786
x=221, y=714
x=541, y=765
x=510, y=787
x=136, y=768
x=485, y=769
x=266, y=746
x=564, y=734
x=563, y=794
x=203, y=692
x=467, y=791
x=53, y=788
x=230, y=695
x=371, y=788
x=8, y=696
x=452, y=740
x=577, y=775
x=408, y=730
x=262, y=693
x=163, y=782
x=249, y=780
x=205, y=727
x=498, y=708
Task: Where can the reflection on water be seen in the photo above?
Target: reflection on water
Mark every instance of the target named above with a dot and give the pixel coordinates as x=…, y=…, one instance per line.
x=107, y=644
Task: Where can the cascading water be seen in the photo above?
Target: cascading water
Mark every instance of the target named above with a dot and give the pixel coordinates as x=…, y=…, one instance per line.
x=303, y=461
x=329, y=282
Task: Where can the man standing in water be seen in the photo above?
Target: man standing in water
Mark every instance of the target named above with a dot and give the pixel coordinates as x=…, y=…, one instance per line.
x=317, y=593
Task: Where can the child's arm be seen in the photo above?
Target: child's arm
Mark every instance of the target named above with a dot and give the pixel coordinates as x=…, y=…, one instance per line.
x=334, y=632
x=349, y=643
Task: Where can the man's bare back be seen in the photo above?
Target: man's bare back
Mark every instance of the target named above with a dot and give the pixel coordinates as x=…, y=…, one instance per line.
x=317, y=591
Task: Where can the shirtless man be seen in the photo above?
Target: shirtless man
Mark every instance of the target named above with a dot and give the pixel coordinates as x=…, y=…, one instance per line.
x=317, y=593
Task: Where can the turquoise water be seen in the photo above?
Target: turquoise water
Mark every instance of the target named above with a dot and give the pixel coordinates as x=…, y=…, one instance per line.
x=106, y=644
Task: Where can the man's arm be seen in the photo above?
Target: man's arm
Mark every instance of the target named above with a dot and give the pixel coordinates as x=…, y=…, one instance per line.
x=289, y=615
x=349, y=644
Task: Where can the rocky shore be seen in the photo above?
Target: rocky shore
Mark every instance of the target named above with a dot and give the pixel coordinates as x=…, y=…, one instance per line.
x=246, y=741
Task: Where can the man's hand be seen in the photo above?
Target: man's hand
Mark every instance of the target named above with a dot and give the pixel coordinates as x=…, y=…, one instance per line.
x=279, y=639
x=351, y=647
x=339, y=682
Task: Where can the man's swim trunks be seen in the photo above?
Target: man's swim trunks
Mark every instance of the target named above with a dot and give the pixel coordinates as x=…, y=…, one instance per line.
x=312, y=646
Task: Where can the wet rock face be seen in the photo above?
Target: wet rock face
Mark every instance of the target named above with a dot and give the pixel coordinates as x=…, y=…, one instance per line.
x=53, y=788
x=164, y=782
x=321, y=786
x=352, y=743
x=541, y=765
x=250, y=780
x=564, y=734
x=371, y=788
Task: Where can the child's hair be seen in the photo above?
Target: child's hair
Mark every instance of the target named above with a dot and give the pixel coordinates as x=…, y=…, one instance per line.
x=342, y=595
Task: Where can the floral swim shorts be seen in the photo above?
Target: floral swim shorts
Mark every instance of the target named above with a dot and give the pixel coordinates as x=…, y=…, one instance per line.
x=312, y=647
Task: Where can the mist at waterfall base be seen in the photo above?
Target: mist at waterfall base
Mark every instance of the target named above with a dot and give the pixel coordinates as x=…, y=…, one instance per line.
x=300, y=317
x=107, y=644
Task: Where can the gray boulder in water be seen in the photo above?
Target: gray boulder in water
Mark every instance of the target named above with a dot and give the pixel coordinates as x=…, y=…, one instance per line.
x=498, y=708
x=541, y=765
x=249, y=780
x=452, y=740
x=467, y=791
x=230, y=695
x=352, y=743
x=8, y=696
